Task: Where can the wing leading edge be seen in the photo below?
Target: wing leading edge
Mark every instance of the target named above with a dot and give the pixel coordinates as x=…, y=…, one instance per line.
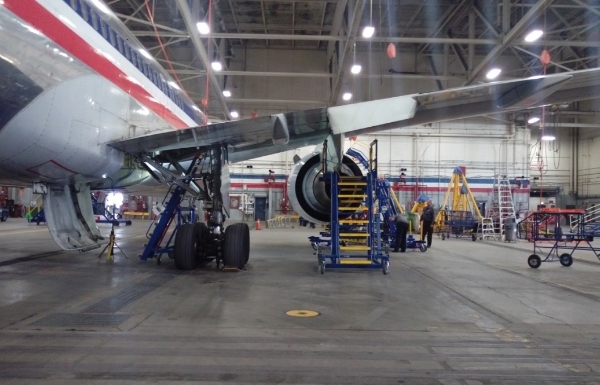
x=252, y=138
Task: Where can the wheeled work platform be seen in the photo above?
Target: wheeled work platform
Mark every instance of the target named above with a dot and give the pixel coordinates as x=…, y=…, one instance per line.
x=550, y=242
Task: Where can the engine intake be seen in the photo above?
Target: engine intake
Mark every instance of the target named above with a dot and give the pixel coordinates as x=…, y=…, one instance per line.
x=309, y=194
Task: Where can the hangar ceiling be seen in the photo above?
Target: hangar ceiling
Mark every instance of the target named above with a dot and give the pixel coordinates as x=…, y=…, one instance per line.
x=455, y=42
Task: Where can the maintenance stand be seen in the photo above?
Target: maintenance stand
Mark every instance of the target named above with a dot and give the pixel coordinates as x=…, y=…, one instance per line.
x=351, y=236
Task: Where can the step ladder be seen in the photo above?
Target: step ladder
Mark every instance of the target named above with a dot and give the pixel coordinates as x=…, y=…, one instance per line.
x=487, y=229
x=502, y=205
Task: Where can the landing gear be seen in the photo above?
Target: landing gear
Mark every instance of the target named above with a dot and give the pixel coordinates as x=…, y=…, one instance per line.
x=186, y=247
x=236, y=246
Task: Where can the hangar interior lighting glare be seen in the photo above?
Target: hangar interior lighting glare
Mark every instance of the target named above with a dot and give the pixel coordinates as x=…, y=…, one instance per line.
x=368, y=31
x=493, y=73
x=347, y=96
x=203, y=28
x=227, y=93
x=534, y=35
x=548, y=136
x=356, y=68
x=234, y=114
x=533, y=119
x=145, y=54
x=216, y=65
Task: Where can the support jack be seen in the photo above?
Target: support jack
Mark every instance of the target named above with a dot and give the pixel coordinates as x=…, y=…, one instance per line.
x=109, y=248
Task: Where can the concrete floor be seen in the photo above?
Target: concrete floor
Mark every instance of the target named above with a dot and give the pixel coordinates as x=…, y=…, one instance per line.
x=462, y=313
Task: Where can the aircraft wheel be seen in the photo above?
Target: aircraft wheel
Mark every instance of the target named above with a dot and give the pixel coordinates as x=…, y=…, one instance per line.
x=236, y=247
x=423, y=247
x=186, y=244
x=201, y=234
x=534, y=261
x=566, y=259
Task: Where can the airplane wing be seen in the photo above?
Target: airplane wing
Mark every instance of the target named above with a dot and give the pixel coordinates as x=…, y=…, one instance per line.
x=252, y=138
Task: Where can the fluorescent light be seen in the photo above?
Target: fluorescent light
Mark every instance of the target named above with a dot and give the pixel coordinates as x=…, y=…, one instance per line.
x=216, y=65
x=368, y=31
x=347, y=96
x=533, y=120
x=493, y=73
x=234, y=114
x=548, y=137
x=226, y=93
x=534, y=35
x=101, y=6
x=174, y=85
x=203, y=28
x=145, y=53
x=356, y=69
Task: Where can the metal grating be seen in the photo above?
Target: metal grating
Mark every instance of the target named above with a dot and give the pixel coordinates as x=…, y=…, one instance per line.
x=128, y=295
x=81, y=320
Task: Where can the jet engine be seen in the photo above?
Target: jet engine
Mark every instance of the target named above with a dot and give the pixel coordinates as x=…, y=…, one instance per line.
x=309, y=194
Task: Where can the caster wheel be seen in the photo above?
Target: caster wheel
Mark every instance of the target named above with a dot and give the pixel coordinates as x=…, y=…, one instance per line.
x=474, y=237
x=322, y=267
x=534, y=261
x=386, y=267
x=423, y=247
x=566, y=260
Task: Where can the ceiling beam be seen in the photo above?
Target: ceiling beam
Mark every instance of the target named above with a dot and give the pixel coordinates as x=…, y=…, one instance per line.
x=511, y=36
x=203, y=55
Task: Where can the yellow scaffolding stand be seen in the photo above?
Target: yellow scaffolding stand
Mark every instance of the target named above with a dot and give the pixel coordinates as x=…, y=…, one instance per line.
x=462, y=200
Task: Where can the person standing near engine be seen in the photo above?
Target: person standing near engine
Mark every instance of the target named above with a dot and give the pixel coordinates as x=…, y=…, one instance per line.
x=427, y=218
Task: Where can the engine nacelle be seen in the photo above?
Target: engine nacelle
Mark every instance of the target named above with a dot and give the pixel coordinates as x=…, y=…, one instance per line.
x=309, y=194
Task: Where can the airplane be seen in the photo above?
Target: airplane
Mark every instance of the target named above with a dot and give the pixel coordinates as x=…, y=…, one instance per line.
x=83, y=103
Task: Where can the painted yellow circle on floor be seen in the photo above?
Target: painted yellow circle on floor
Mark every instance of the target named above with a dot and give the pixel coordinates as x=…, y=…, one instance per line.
x=302, y=313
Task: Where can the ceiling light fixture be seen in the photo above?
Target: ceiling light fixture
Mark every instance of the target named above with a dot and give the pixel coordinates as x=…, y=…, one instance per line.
x=356, y=68
x=216, y=65
x=234, y=114
x=533, y=120
x=203, y=28
x=369, y=30
x=534, y=35
x=347, y=96
x=227, y=93
x=493, y=73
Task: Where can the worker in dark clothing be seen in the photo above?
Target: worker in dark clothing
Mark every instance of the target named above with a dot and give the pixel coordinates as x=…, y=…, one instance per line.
x=401, y=222
x=427, y=219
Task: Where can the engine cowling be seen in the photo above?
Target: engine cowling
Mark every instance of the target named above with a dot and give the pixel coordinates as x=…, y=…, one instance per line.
x=309, y=194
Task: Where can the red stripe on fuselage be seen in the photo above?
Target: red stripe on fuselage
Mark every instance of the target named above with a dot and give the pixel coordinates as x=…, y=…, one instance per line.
x=44, y=21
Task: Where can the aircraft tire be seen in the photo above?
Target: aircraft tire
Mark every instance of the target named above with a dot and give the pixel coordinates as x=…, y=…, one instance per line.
x=201, y=234
x=185, y=247
x=236, y=247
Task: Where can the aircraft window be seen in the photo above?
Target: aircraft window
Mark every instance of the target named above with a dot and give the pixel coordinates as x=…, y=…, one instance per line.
x=104, y=29
x=75, y=5
x=120, y=43
x=134, y=58
x=85, y=12
x=127, y=51
x=94, y=19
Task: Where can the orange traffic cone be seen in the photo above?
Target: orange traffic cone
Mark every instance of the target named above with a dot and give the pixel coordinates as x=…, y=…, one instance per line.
x=258, y=224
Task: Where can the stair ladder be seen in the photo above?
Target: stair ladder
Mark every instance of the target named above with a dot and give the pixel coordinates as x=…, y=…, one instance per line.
x=160, y=225
x=502, y=204
x=350, y=235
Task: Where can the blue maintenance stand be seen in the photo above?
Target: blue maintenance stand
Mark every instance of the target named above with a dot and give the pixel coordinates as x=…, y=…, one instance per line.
x=354, y=242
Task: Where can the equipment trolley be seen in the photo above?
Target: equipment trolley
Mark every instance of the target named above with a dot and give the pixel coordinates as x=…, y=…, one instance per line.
x=550, y=242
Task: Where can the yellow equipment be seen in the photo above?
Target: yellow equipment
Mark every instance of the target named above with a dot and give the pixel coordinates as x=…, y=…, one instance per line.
x=462, y=200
